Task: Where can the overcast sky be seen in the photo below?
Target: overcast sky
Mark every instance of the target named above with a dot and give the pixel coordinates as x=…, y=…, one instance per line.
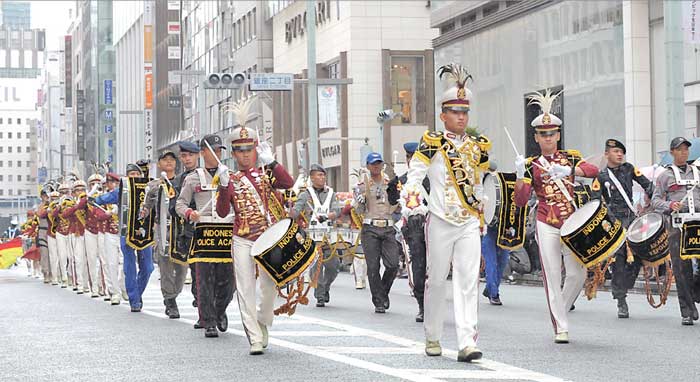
x=52, y=16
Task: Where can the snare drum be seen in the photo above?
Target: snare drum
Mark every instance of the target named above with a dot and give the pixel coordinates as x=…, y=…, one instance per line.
x=592, y=234
x=647, y=238
x=346, y=235
x=284, y=251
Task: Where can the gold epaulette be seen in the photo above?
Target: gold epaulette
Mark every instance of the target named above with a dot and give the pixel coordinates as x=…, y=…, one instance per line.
x=433, y=138
x=572, y=153
x=484, y=143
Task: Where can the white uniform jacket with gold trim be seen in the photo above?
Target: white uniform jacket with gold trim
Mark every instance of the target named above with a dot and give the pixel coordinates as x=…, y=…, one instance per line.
x=452, y=164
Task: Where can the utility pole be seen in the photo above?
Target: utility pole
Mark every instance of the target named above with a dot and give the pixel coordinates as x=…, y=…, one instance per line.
x=312, y=89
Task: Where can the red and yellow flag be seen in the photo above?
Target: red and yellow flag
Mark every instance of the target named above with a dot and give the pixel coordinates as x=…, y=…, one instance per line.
x=10, y=251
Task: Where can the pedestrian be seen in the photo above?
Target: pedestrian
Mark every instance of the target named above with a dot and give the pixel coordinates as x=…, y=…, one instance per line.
x=319, y=205
x=250, y=192
x=452, y=231
x=378, y=232
x=674, y=196
x=213, y=266
x=614, y=185
x=160, y=198
x=413, y=233
x=546, y=174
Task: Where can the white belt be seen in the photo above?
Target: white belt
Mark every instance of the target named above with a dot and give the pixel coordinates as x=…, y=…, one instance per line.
x=377, y=222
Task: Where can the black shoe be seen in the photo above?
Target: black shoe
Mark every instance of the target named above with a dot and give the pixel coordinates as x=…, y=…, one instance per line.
x=379, y=309
x=485, y=293
x=622, y=308
x=198, y=325
x=572, y=308
x=695, y=315
x=173, y=312
x=222, y=323
x=320, y=303
x=211, y=332
x=687, y=321
x=495, y=300
x=136, y=308
x=386, y=303
x=419, y=316
x=194, y=303
x=328, y=297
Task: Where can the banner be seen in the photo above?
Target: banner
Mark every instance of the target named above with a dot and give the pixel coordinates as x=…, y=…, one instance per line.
x=328, y=107
x=9, y=252
x=511, y=218
x=212, y=243
x=691, y=25
x=139, y=233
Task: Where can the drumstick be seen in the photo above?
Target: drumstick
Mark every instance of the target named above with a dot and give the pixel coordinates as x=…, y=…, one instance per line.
x=213, y=152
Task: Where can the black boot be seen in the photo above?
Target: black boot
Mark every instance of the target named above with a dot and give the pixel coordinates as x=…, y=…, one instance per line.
x=222, y=323
x=622, y=309
x=419, y=316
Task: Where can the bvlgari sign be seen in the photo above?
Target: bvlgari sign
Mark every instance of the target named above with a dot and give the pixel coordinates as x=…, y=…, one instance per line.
x=295, y=27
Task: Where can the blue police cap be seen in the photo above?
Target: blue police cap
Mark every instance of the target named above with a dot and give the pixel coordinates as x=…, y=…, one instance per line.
x=410, y=147
x=188, y=147
x=374, y=158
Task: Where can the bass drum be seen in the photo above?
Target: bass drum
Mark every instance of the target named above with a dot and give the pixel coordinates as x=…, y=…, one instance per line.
x=592, y=234
x=492, y=199
x=647, y=237
x=284, y=251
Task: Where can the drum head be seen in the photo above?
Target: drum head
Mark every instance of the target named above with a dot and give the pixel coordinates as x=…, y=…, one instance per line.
x=580, y=217
x=271, y=235
x=490, y=197
x=644, y=227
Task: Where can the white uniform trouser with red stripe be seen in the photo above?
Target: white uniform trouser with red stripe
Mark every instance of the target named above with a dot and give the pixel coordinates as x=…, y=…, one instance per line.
x=92, y=248
x=58, y=273
x=112, y=264
x=80, y=259
x=64, y=254
x=551, y=251
x=244, y=269
x=460, y=246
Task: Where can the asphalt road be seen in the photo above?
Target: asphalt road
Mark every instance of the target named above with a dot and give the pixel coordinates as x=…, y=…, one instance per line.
x=52, y=334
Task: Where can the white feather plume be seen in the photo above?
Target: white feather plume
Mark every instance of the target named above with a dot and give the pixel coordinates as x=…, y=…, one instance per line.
x=456, y=73
x=544, y=101
x=241, y=108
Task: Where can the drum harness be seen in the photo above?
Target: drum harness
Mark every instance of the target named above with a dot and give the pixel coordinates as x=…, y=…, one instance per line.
x=679, y=218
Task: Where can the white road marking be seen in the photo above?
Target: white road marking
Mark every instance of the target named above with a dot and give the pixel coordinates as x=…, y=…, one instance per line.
x=371, y=350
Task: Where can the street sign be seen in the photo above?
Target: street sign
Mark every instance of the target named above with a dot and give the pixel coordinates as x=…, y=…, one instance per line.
x=174, y=102
x=108, y=92
x=109, y=114
x=108, y=129
x=187, y=102
x=271, y=81
x=174, y=52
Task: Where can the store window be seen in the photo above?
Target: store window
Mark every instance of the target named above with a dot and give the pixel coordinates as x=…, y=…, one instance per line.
x=408, y=89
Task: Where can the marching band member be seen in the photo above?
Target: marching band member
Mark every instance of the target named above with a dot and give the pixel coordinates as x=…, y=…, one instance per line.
x=62, y=239
x=189, y=157
x=546, y=174
x=378, y=232
x=320, y=206
x=414, y=235
x=675, y=193
x=615, y=185
x=214, y=274
x=95, y=240
x=161, y=196
x=58, y=273
x=113, y=264
x=249, y=191
x=75, y=212
x=42, y=238
x=135, y=283
x=30, y=231
x=452, y=162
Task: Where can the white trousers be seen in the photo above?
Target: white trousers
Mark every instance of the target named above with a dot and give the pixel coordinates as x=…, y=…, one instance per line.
x=92, y=249
x=64, y=254
x=58, y=274
x=80, y=261
x=112, y=262
x=244, y=269
x=460, y=246
x=551, y=251
x=359, y=269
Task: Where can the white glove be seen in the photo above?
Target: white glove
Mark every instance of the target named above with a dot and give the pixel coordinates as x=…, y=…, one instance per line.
x=520, y=166
x=360, y=198
x=265, y=153
x=222, y=172
x=558, y=171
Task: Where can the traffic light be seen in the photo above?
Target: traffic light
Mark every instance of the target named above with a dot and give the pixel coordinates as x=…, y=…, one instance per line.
x=225, y=81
